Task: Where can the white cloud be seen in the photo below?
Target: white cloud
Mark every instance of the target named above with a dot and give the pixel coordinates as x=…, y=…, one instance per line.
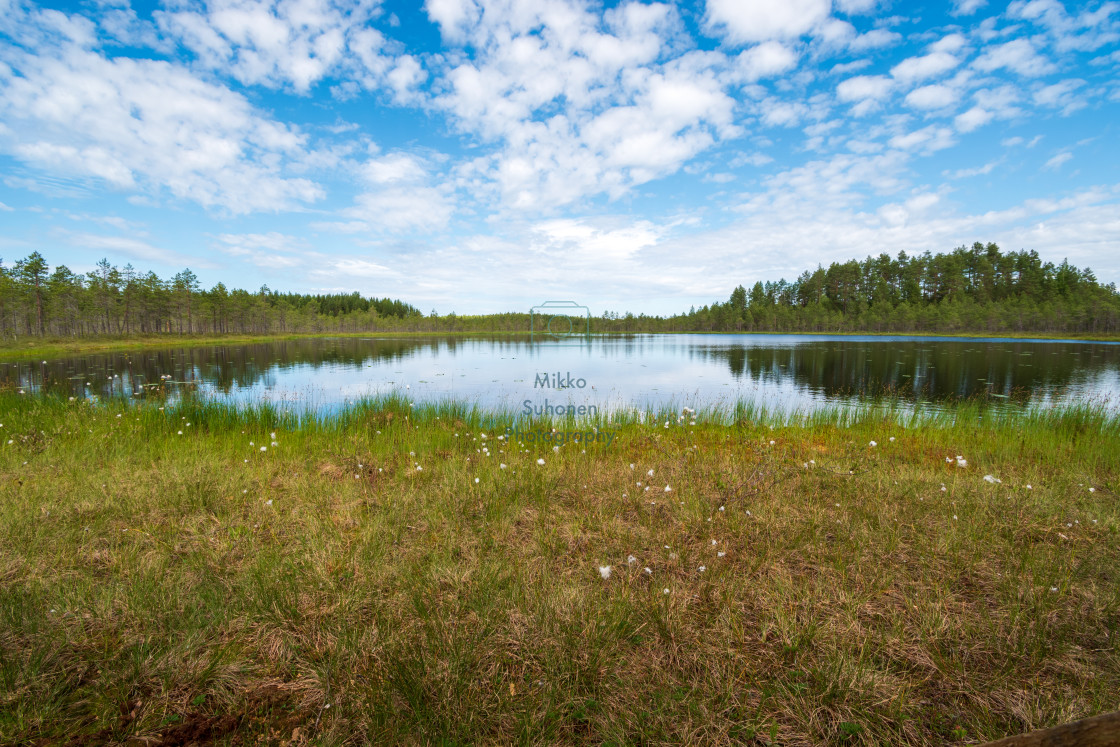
x=850, y=67
x=898, y=214
x=397, y=195
x=393, y=168
x=765, y=19
x=454, y=17
x=766, y=60
x=579, y=105
x=967, y=7
x=856, y=7
x=861, y=87
x=932, y=97
x=1057, y=160
x=1017, y=55
x=134, y=248
x=874, y=39
x=972, y=119
x=272, y=43
x=1061, y=96
x=926, y=140
x=927, y=66
x=1012, y=142
x=949, y=44
x=1089, y=30
x=966, y=173
x=150, y=126
x=1002, y=102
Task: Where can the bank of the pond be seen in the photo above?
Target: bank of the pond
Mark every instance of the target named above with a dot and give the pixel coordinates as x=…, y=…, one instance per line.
x=46, y=348
x=391, y=574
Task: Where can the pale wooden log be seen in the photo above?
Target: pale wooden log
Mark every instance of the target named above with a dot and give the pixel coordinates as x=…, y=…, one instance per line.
x=1099, y=731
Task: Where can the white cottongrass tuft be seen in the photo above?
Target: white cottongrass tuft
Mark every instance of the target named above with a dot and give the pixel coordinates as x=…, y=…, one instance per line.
x=665, y=590
x=605, y=571
x=873, y=444
x=703, y=568
x=962, y=462
x=540, y=461
x=669, y=490
x=631, y=560
x=992, y=479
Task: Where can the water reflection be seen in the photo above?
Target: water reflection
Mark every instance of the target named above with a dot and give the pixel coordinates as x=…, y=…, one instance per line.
x=624, y=371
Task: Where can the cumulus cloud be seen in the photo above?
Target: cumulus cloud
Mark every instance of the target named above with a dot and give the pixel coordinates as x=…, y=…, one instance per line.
x=932, y=97
x=580, y=104
x=272, y=43
x=148, y=126
x=862, y=87
x=765, y=19
x=398, y=192
x=927, y=66
x=926, y=140
x=972, y=119
x=1017, y=55
x=1062, y=96
x=765, y=60
x=967, y=7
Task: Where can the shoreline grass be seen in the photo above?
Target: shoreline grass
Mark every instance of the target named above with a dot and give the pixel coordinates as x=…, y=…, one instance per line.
x=386, y=574
x=38, y=348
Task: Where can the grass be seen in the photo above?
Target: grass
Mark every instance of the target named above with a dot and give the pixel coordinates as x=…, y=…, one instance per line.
x=34, y=348
x=194, y=587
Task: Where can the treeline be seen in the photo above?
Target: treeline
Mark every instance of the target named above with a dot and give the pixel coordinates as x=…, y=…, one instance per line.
x=971, y=289
x=35, y=301
x=977, y=288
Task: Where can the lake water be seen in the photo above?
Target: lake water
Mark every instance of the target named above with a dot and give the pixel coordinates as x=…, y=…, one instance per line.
x=781, y=372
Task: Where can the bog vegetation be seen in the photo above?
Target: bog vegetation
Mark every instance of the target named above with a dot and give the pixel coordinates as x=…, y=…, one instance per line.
x=970, y=289
x=191, y=572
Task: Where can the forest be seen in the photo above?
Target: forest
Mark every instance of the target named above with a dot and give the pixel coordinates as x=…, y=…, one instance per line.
x=970, y=289
x=112, y=301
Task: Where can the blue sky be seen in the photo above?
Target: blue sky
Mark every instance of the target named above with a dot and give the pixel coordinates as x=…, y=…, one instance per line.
x=478, y=156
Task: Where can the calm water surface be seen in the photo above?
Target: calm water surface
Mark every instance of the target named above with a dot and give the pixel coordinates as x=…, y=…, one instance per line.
x=778, y=371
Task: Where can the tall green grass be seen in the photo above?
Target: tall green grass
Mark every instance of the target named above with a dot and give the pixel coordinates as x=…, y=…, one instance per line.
x=157, y=584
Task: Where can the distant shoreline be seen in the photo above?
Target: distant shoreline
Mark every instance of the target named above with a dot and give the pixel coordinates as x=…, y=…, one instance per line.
x=49, y=348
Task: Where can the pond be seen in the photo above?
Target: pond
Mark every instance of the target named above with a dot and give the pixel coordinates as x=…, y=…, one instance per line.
x=531, y=375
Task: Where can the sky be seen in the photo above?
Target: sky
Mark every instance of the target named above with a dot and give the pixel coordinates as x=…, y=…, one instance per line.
x=477, y=156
